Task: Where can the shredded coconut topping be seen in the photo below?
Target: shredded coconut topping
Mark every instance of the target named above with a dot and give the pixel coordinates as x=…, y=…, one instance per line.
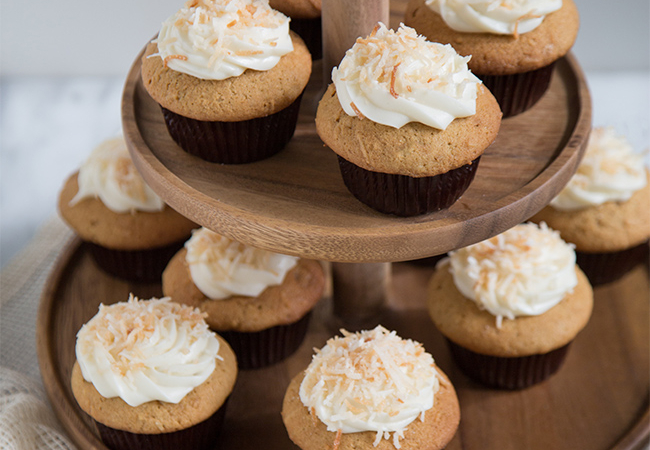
x=398, y=77
x=512, y=17
x=110, y=175
x=145, y=350
x=370, y=381
x=218, y=39
x=221, y=267
x=609, y=171
x=524, y=271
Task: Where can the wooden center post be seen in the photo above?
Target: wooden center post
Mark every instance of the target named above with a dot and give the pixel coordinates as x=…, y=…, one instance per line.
x=343, y=22
x=358, y=289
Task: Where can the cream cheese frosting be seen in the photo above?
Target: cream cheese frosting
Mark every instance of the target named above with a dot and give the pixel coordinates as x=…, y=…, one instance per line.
x=494, y=16
x=219, y=39
x=109, y=174
x=146, y=350
x=370, y=381
x=397, y=77
x=609, y=171
x=524, y=271
x=221, y=267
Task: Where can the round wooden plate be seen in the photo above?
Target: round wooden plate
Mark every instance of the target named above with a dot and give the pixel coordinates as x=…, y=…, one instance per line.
x=597, y=401
x=296, y=202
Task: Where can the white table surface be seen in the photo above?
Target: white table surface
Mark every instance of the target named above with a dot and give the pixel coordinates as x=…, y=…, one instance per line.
x=48, y=125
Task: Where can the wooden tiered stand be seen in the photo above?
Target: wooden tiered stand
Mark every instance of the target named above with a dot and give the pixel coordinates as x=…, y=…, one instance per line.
x=296, y=203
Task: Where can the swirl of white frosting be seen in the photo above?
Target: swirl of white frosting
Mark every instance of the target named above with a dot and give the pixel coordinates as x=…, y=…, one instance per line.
x=609, y=171
x=221, y=267
x=394, y=78
x=370, y=381
x=494, y=16
x=146, y=350
x=524, y=271
x=109, y=174
x=219, y=39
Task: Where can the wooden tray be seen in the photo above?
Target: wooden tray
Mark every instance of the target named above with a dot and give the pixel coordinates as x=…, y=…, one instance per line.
x=296, y=203
x=597, y=401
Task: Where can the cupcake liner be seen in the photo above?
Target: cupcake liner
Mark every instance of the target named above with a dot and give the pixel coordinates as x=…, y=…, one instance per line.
x=202, y=436
x=234, y=142
x=508, y=373
x=603, y=268
x=403, y=195
x=144, y=266
x=263, y=348
x=310, y=30
x=520, y=91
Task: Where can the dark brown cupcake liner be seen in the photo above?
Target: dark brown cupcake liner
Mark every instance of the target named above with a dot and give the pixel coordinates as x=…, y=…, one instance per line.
x=234, y=142
x=518, y=92
x=311, y=31
x=603, y=268
x=259, y=349
x=508, y=373
x=403, y=195
x=202, y=436
x=143, y=266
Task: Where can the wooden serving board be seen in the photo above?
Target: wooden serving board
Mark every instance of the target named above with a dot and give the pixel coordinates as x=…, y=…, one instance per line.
x=597, y=401
x=296, y=203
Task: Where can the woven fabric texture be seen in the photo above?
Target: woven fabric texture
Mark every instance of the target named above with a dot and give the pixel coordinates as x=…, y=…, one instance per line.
x=27, y=421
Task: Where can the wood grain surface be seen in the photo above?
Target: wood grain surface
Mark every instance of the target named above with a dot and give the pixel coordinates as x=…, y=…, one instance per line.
x=296, y=203
x=597, y=401
x=345, y=21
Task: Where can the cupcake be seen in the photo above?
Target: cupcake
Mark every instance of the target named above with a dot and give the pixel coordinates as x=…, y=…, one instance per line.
x=511, y=305
x=259, y=301
x=604, y=209
x=131, y=233
x=513, y=43
x=371, y=390
x=229, y=76
x=152, y=375
x=408, y=121
x=305, y=20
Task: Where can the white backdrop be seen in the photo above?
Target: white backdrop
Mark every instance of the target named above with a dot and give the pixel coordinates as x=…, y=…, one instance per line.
x=68, y=37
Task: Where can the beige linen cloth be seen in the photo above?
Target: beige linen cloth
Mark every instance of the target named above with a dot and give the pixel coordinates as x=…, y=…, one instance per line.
x=27, y=421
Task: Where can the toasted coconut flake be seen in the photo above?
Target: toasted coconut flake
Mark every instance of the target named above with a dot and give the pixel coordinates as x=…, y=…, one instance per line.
x=170, y=57
x=356, y=110
x=392, y=81
x=527, y=16
x=337, y=440
x=248, y=52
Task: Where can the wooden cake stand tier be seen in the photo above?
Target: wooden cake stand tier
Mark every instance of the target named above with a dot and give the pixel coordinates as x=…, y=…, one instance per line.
x=597, y=401
x=296, y=203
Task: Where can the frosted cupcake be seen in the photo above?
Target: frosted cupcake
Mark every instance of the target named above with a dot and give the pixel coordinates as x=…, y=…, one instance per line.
x=511, y=305
x=408, y=121
x=152, y=375
x=229, y=76
x=514, y=43
x=604, y=209
x=131, y=233
x=371, y=389
x=259, y=301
